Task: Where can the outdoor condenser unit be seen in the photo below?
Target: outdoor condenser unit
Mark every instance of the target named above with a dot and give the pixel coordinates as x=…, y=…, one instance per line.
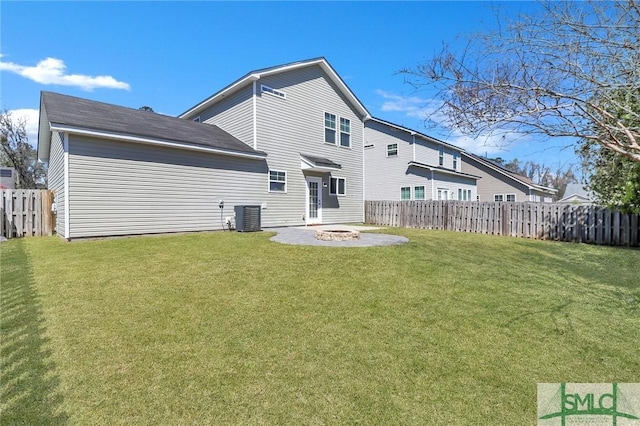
x=247, y=218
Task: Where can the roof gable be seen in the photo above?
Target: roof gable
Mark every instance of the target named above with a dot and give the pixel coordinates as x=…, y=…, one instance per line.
x=509, y=174
x=83, y=116
x=256, y=75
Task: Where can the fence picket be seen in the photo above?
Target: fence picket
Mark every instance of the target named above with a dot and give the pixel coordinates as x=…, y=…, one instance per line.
x=25, y=213
x=562, y=222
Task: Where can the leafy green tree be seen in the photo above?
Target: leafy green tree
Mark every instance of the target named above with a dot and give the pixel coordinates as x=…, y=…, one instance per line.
x=614, y=178
x=16, y=152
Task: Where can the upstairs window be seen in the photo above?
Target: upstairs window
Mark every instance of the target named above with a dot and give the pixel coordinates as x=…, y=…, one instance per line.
x=277, y=181
x=392, y=150
x=329, y=128
x=441, y=156
x=338, y=186
x=455, y=160
x=345, y=132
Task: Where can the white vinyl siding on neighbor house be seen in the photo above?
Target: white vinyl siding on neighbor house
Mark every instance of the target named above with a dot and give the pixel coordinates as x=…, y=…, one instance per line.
x=122, y=188
x=56, y=180
x=272, y=91
x=288, y=129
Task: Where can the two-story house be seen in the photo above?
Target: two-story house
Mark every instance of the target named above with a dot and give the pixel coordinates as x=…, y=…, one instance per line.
x=501, y=184
x=287, y=138
x=402, y=164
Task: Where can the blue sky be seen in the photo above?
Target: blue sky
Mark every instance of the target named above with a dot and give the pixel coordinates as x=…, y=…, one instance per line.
x=172, y=55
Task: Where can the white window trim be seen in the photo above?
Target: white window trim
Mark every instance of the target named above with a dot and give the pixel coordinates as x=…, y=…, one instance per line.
x=273, y=92
x=424, y=192
x=397, y=149
x=269, y=181
x=340, y=132
x=335, y=129
x=337, y=193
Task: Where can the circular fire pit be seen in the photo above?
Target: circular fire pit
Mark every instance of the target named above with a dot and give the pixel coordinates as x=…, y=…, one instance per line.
x=337, y=235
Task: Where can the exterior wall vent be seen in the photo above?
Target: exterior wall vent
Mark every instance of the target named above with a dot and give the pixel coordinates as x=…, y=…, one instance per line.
x=248, y=218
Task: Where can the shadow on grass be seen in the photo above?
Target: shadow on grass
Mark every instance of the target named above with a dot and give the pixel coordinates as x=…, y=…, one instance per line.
x=29, y=385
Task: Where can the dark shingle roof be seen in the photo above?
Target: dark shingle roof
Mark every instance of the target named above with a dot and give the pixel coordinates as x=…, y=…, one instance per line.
x=87, y=114
x=321, y=161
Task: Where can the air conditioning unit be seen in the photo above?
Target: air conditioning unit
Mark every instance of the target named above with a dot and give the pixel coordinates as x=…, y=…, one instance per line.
x=247, y=218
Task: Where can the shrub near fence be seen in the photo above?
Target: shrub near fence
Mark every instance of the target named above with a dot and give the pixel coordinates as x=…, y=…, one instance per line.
x=26, y=213
x=546, y=221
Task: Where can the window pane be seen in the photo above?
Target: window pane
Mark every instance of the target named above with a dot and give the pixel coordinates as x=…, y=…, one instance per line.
x=329, y=120
x=342, y=187
x=441, y=156
x=276, y=186
x=332, y=186
x=511, y=198
x=330, y=136
x=419, y=192
x=497, y=197
x=345, y=139
x=392, y=149
x=405, y=193
x=345, y=125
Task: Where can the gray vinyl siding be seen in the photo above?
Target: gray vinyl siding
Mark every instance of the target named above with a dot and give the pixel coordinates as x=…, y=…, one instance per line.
x=233, y=115
x=453, y=183
x=384, y=176
x=289, y=127
x=121, y=188
x=55, y=179
x=493, y=182
x=428, y=152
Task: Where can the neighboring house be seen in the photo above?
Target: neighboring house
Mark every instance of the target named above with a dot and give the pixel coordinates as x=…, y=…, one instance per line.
x=287, y=138
x=501, y=184
x=7, y=178
x=402, y=164
x=575, y=193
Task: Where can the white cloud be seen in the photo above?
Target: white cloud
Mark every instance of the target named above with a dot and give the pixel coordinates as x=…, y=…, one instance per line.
x=423, y=108
x=30, y=118
x=54, y=71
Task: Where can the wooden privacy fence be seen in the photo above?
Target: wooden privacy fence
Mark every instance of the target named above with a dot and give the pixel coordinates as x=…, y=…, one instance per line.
x=26, y=213
x=546, y=221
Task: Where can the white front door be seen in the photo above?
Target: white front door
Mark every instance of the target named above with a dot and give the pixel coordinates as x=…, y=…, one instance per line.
x=314, y=200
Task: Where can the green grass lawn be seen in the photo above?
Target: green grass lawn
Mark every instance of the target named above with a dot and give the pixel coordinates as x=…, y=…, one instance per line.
x=230, y=328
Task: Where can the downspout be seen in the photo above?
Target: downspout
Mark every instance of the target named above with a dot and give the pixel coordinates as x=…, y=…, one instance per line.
x=413, y=137
x=65, y=143
x=433, y=188
x=363, y=175
x=255, y=118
